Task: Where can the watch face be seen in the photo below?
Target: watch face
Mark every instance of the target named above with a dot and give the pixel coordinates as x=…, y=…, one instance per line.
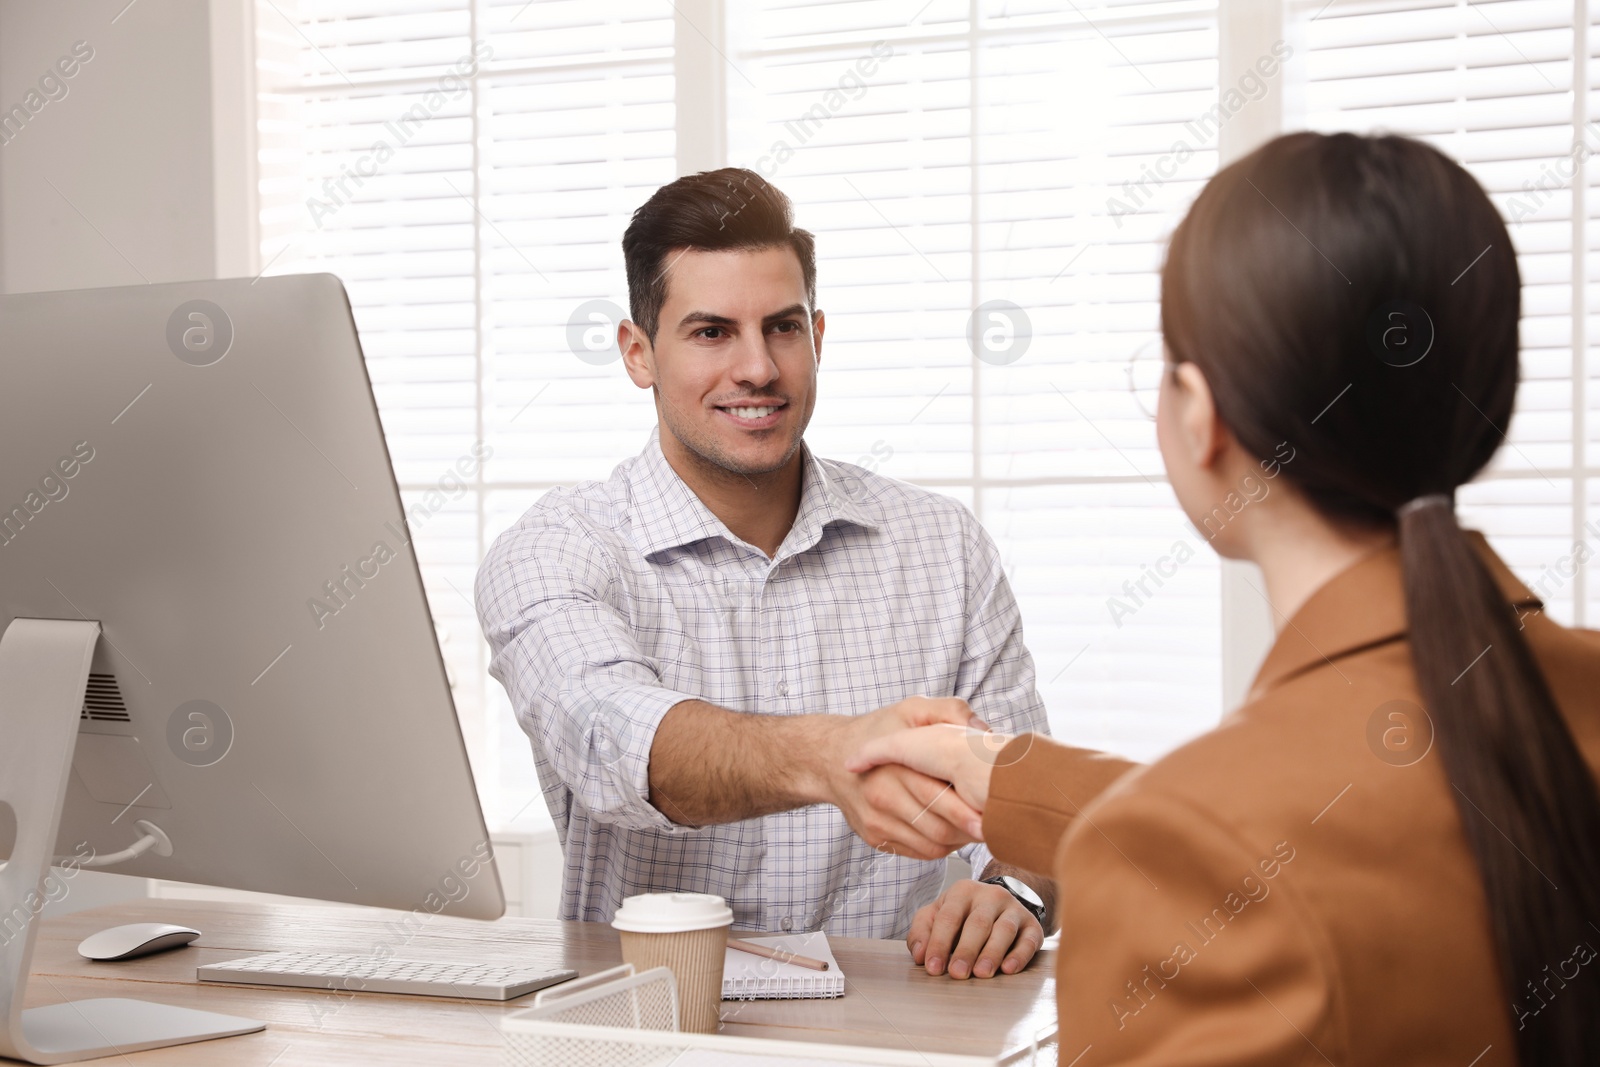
x=1022, y=891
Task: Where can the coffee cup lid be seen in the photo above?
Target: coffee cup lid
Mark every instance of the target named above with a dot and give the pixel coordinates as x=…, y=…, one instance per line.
x=667, y=913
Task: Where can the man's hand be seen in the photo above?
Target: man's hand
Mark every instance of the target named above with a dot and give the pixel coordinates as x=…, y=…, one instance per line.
x=974, y=930
x=893, y=808
x=710, y=765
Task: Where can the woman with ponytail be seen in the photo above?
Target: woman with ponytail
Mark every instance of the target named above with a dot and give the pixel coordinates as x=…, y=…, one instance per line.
x=1391, y=853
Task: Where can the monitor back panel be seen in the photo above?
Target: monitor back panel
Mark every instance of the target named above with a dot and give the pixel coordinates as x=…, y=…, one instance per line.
x=201, y=468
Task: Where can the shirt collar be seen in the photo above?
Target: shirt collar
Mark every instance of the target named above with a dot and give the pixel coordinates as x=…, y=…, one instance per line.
x=666, y=513
x=1362, y=606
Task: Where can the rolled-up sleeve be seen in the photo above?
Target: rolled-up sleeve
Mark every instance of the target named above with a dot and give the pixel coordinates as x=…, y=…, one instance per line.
x=996, y=676
x=548, y=599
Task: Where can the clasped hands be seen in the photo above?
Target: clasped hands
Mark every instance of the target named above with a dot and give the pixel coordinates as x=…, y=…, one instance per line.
x=913, y=781
x=912, y=777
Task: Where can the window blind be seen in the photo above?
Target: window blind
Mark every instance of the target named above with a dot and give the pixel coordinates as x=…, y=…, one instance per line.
x=991, y=182
x=949, y=163
x=1490, y=84
x=945, y=161
x=467, y=170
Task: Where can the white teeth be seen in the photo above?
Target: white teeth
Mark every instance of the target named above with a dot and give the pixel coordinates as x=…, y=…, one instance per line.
x=752, y=413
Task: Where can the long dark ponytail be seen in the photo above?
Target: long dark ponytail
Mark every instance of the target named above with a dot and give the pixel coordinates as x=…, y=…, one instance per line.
x=1359, y=297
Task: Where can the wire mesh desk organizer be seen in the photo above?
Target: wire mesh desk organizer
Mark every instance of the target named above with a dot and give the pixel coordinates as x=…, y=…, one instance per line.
x=619, y=1018
x=592, y=1020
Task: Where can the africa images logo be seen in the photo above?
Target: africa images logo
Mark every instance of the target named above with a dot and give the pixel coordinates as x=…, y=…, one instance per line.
x=1400, y=333
x=199, y=333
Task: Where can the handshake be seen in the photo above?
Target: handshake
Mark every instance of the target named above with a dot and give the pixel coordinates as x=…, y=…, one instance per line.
x=912, y=778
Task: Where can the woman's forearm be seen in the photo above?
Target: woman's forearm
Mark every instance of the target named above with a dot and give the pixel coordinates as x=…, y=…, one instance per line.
x=1037, y=787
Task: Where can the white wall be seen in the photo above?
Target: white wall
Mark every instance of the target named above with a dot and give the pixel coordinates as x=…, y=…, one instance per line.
x=116, y=182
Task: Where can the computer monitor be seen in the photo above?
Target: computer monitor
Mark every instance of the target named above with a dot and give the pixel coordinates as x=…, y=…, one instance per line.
x=198, y=513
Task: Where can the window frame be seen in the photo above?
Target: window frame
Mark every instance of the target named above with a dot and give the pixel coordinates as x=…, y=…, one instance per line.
x=702, y=44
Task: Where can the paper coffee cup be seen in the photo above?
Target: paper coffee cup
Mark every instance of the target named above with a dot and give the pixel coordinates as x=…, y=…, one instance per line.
x=687, y=933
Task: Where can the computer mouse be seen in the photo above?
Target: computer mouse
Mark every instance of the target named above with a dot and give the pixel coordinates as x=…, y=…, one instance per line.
x=135, y=940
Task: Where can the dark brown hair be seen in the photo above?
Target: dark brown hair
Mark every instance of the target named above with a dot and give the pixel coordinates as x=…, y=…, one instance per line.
x=1359, y=297
x=715, y=210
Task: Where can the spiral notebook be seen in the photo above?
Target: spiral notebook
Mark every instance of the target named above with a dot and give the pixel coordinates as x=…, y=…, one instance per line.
x=747, y=977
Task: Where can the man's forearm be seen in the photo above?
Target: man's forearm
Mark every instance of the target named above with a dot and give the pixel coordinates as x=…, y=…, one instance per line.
x=1045, y=887
x=709, y=765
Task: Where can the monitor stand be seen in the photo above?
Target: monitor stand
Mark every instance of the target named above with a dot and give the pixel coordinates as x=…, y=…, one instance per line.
x=44, y=670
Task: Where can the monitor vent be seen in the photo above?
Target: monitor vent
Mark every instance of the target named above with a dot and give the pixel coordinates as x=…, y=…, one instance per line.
x=102, y=700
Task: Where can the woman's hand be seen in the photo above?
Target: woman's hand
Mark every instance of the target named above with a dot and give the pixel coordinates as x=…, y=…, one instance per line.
x=895, y=808
x=961, y=755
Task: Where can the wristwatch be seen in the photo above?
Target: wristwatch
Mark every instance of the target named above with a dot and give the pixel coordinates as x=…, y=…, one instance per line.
x=1022, y=891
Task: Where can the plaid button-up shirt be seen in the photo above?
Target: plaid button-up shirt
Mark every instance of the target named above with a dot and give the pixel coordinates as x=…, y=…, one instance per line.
x=609, y=602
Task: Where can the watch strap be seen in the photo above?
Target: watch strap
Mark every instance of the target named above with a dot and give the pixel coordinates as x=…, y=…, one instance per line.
x=1036, y=910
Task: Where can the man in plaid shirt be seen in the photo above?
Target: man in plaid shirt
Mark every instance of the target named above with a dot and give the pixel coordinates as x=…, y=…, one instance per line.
x=696, y=645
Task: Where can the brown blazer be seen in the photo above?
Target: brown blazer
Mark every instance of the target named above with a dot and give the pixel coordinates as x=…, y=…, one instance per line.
x=1295, y=886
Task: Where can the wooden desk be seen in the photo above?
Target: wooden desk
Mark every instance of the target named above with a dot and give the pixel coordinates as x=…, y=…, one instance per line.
x=890, y=1003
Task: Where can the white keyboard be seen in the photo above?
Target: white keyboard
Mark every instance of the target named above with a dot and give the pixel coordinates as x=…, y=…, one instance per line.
x=365, y=974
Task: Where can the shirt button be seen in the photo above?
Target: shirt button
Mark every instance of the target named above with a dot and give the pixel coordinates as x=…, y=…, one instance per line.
x=783, y=689
x=787, y=924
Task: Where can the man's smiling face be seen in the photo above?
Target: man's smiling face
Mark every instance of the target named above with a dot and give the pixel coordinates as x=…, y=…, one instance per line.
x=734, y=362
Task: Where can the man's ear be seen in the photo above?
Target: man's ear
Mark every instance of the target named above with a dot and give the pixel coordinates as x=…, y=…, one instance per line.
x=638, y=355
x=1201, y=433
x=819, y=325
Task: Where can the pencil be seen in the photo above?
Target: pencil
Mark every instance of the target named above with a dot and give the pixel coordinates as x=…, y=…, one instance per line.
x=777, y=954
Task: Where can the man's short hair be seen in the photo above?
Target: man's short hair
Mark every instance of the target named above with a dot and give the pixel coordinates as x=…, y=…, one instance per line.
x=713, y=211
